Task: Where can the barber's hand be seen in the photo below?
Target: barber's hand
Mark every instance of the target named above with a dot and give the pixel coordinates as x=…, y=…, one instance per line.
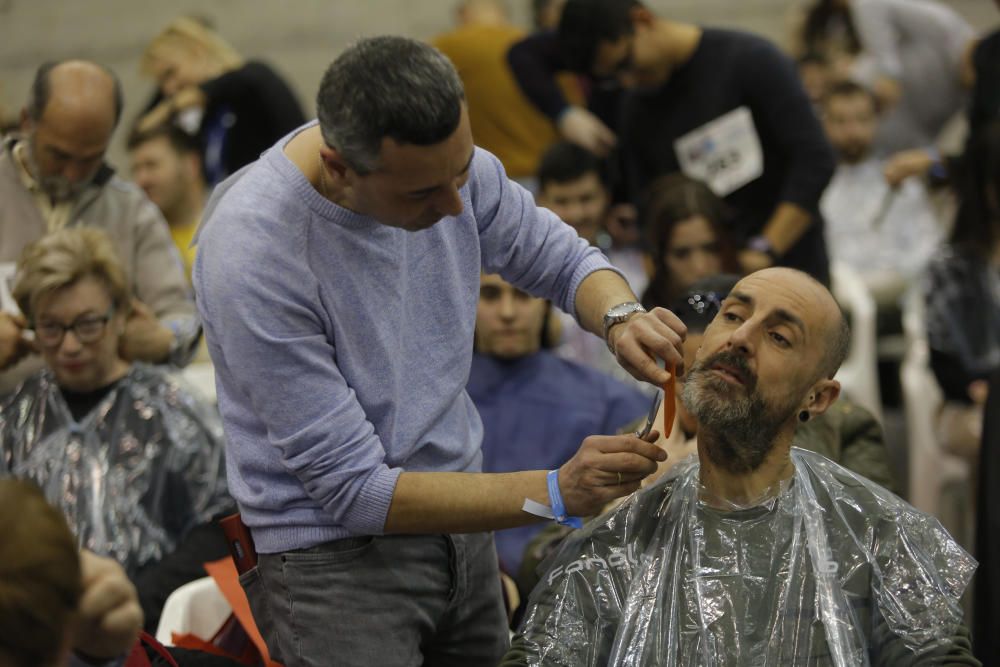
x=145, y=339
x=902, y=165
x=109, y=617
x=645, y=337
x=13, y=345
x=578, y=125
x=604, y=468
x=754, y=260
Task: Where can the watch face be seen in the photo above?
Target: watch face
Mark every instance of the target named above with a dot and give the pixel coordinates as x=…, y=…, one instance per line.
x=623, y=309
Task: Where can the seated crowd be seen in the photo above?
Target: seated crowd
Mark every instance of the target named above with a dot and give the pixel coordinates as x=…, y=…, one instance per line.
x=720, y=176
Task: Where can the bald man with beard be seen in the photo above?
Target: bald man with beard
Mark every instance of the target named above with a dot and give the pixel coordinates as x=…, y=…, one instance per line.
x=755, y=552
x=53, y=175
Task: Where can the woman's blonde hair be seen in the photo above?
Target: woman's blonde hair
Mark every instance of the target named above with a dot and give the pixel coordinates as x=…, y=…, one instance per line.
x=185, y=32
x=64, y=257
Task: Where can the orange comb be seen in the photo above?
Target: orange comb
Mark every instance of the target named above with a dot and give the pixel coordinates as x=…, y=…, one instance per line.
x=669, y=402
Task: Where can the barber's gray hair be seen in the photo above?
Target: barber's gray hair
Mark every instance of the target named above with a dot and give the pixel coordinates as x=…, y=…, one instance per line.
x=392, y=87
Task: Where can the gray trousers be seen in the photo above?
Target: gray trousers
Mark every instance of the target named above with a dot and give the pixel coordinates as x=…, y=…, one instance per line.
x=403, y=600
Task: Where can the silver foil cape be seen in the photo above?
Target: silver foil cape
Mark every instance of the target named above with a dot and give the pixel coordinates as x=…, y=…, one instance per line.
x=833, y=570
x=134, y=475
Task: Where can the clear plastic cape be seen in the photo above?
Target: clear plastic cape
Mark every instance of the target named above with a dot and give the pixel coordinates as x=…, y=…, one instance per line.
x=139, y=470
x=830, y=570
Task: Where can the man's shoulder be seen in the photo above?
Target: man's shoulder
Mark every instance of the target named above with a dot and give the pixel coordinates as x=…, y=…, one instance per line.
x=831, y=484
x=738, y=41
x=468, y=40
x=257, y=203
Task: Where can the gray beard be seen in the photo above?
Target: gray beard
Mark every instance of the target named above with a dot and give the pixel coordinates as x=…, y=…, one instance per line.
x=738, y=426
x=56, y=187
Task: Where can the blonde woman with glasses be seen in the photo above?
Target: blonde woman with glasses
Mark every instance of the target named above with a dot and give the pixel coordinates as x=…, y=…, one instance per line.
x=133, y=460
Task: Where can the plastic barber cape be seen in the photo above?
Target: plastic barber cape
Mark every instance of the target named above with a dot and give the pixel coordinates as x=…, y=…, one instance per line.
x=139, y=470
x=831, y=570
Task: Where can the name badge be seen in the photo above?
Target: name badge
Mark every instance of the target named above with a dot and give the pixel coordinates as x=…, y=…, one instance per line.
x=724, y=153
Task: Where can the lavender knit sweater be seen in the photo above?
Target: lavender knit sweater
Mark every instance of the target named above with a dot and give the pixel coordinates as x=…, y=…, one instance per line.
x=342, y=346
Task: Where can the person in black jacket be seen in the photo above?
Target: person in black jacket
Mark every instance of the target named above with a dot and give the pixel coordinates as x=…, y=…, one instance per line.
x=724, y=107
x=245, y=105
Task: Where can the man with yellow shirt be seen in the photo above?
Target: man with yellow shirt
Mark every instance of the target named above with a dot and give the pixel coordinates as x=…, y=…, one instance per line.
x=503, y=121
x=166, y=164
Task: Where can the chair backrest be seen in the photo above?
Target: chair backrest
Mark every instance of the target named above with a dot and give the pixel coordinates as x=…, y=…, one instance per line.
x=858, y=375
x=930, y=466
x=197, y=608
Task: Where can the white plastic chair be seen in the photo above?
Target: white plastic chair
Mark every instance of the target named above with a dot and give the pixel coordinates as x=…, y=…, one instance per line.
x=201, y=376
x=858, y=375
x=931, y=468
x=197, y=608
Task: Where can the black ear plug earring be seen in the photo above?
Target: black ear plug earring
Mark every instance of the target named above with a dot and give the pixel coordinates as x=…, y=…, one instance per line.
x=804, y=416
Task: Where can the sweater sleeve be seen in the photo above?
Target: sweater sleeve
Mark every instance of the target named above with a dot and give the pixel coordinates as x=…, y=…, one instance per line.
x=530, y=247
x=782, y=109
x=535, y=61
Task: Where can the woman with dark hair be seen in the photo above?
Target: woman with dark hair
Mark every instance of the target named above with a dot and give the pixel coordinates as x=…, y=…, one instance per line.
x=685, y=223
x=963, y=298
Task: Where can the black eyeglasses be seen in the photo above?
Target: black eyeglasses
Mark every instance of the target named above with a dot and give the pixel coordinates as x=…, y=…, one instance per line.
x=87, y=329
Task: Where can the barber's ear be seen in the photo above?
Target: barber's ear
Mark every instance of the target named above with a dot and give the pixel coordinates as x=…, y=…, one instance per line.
x=821, y=397
x=337, y=167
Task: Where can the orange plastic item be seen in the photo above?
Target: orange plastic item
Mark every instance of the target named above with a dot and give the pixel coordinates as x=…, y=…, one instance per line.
x=224, y=573
x=669, y=403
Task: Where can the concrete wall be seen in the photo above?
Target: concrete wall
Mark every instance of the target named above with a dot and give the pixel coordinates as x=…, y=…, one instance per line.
x=298, y=37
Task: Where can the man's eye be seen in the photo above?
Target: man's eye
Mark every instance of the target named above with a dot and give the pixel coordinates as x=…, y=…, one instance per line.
x=779, y=339
x=730, y=317
x=681, y=253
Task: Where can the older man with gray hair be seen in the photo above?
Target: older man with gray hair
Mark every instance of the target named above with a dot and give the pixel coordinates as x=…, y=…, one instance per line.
x=338, y=279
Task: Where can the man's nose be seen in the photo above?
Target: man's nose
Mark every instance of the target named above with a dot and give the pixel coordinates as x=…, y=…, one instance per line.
x=743, y=338
x=507, y=310
x=449, y=202
x=70, y=343
x=700, y=264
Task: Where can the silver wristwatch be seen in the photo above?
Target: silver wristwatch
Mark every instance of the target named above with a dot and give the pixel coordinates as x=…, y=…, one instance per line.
x=617, y=315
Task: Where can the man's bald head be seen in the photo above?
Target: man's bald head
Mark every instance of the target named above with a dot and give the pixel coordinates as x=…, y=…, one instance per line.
x=823, y=308
x=68, y=122
x=76, y=86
